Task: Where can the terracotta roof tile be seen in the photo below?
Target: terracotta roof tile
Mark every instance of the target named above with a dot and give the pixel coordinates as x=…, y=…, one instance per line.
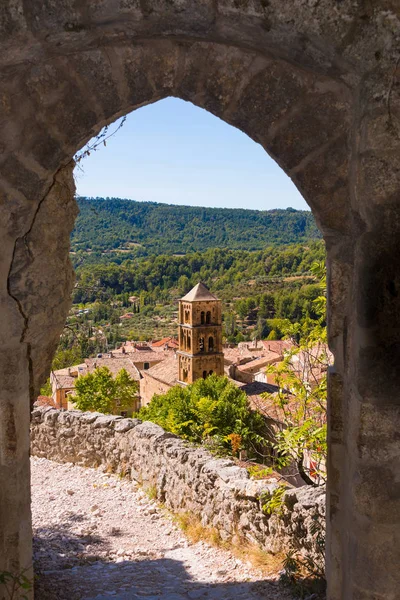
x=166, y=371
x=45, y=401
x=258, y=363
x=169, y=341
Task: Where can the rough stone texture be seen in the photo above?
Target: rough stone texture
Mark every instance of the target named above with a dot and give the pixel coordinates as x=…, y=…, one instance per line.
x=185, y=478
x=98, y=535
x=316, y=83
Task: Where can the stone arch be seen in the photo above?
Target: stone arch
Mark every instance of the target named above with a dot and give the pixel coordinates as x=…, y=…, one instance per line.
x=316, y=87
x=301, y=118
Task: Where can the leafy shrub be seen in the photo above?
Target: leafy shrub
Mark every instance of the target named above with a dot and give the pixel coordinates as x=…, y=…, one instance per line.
x=207, y=409
x=259, y=472
x=273, y=503
x=14, y=585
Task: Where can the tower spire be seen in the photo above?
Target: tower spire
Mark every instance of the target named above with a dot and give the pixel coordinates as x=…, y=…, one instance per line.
x=200, y=335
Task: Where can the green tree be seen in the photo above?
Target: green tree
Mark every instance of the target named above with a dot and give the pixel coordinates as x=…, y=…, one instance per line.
x=209, y=409
x=183, y=284
x=262, y=330
x=302, y=392
x=272, y=335
x=126, y=388
x=99, y=391
x=62, y=358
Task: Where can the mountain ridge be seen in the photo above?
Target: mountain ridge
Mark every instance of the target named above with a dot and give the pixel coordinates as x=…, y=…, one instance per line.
x=106, y=224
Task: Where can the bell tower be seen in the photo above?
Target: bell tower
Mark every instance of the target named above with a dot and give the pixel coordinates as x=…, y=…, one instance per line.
x=200, y=335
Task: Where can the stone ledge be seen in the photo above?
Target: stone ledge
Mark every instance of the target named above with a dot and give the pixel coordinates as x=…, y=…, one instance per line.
x=185, y=478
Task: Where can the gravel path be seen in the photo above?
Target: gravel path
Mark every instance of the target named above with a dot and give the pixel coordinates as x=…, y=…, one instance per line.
x=99, y=537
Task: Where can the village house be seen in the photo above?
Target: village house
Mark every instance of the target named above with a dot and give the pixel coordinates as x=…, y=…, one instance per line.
x=127, y=315
x=63, y=380
x=137, y=358
x=245, y=371
x=159, y=378
x=200, y=350
x=310, y=365
x=167, y=343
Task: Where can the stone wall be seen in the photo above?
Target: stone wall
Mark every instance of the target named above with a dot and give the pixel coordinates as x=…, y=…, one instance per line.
x=149, y=386
x=316, y=84
x=186, y=478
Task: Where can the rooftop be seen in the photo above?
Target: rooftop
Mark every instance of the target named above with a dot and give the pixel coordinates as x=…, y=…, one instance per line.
x=66, y=378
x=166, y=371
x=266, y=406
x=262, y=361
x=199, y=293
x=171, y=342
x=115, y=365
x=237, y=355
x=278, y=346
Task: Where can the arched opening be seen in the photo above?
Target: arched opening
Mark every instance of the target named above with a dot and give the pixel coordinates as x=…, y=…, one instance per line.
x=292, y=82
x=189, y=342
x=205, y=318
x=204, y=374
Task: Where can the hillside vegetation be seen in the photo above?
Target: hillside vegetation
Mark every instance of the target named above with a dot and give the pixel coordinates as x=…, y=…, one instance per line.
x=123, y=228
x=257, y=290
x=134, y=260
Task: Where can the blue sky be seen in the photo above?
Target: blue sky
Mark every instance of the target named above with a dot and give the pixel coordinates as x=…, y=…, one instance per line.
x=174, y=152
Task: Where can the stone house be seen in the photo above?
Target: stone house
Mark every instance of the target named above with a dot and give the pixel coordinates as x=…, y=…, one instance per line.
x=63, y=380
x=159, y=378
x=247, y=371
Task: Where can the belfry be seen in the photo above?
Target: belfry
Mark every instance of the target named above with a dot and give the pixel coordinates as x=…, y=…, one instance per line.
x=200, y=335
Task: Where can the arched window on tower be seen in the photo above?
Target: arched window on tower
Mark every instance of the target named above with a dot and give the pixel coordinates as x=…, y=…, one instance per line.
x=184, y=374
x=204, y=374
x=208, y=317
x=210, y=372
x=189, y=342
x=211, y=344
x=202, y=317
x=201, y=344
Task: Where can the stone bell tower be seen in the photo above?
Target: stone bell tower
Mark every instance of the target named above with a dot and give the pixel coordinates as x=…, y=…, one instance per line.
x=200, y=335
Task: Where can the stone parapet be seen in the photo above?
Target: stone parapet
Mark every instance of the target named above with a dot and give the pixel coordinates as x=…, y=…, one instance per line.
x=184, y=477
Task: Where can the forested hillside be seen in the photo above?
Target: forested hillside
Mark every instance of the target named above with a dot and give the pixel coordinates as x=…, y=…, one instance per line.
x=224, y=271
x=134, y=260
x=117, y=226
x=137, y=299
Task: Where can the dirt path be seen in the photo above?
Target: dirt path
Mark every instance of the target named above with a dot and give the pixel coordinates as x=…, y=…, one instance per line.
x=99, y=537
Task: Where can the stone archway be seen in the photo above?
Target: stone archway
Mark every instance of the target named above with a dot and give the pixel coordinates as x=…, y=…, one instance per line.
x=316, y=84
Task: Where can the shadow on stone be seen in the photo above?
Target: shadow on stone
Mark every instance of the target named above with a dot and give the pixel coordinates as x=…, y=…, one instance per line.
x=68, y=568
